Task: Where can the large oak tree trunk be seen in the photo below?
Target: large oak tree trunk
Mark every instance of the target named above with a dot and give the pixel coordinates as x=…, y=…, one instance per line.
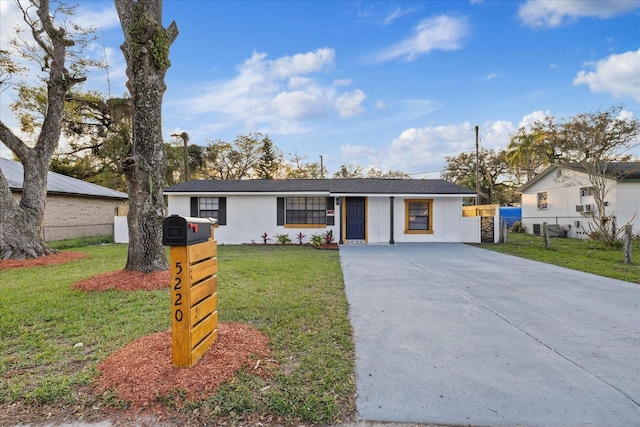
x=21, y=222
x=146, y=50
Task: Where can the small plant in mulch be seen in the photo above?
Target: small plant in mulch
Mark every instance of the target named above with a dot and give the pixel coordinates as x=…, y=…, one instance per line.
x=283, y=239
x=300, y=237
x=265, y=238
x=328, y=237
x=324, y=240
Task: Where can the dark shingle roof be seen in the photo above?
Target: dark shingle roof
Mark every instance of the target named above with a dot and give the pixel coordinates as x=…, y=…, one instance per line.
x=620, y=171
x=57, y=183
x=331, y=186
x=624, y=171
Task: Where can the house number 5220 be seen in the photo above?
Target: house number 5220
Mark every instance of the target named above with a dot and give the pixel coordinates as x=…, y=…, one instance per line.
x=177, y=287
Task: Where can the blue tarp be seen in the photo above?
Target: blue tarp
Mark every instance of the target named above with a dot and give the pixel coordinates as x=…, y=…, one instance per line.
x=511, y=214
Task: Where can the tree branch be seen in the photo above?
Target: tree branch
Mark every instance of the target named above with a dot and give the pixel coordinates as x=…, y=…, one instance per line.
x=13, y=143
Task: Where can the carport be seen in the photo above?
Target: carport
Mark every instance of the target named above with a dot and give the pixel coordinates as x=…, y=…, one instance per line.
x=455, y=334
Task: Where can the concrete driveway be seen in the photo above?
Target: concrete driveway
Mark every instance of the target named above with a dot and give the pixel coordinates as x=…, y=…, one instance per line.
x=454, y=334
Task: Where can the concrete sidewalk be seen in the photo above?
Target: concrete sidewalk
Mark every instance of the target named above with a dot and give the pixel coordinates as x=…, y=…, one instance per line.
x=454, y=334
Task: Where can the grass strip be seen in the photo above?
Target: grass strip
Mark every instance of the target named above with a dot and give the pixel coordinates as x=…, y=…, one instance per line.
x=578, y=254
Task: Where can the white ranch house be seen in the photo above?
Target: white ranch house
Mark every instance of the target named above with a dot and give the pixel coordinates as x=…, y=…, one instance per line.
x=563, y=196
x=362, y=210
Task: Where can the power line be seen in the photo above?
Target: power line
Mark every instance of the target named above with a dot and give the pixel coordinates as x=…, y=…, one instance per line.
x=106, y=63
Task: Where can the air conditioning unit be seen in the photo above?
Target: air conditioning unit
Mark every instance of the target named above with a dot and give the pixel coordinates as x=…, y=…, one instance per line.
x=579, y=208
x=588, y=208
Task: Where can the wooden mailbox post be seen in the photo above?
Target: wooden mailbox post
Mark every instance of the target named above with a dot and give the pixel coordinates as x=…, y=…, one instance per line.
x=194, y=284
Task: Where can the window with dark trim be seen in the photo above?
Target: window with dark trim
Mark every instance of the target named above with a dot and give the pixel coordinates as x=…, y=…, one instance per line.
x=306, y=210
x=210, y=207
x=542, y=200
x=418, y=216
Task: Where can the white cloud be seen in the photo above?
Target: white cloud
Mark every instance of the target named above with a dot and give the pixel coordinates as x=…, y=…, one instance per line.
x=437, y=33
x=349, y=151
x=342, y=82
x=300, y=105
x=554, y=13
x=380, y=105
x=275, y=95
x=493, y=76
x=303, y=63
x=618, y=75
x=398, y=12
x=297, y=82
x=349, y=104
x=424, y=149
x=530, y=119
x=104, y=18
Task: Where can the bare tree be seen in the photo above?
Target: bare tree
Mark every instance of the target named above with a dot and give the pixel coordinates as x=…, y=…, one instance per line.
x=297, y=168
x=51, y=49
x=233, y=161
x=146, y=51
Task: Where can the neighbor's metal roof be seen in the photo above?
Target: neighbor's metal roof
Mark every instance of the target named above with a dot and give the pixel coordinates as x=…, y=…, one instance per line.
x=57, y=183
x=330, y=186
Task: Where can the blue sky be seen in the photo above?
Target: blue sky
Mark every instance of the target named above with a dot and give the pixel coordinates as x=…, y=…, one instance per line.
x=392, y=85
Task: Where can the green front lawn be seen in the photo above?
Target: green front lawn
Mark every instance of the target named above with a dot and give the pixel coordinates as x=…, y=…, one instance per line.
x=584, y=255
x=295, y=295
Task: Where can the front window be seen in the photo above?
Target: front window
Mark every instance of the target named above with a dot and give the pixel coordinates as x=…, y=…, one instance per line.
x=306, y=210
x=418, y=216
x=208, y=207
x=542, y=200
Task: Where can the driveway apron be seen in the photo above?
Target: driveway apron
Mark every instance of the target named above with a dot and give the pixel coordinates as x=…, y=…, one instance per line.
x=455, y=334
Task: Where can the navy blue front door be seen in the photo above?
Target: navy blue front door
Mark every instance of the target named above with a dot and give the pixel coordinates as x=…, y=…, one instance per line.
x=355, y=218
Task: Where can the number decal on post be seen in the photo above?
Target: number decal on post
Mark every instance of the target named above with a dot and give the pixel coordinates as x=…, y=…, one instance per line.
x=178, y=313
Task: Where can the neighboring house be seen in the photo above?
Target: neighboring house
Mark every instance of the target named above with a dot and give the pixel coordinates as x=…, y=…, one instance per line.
x=74, y=208
x=356, y=210
x=562, y=195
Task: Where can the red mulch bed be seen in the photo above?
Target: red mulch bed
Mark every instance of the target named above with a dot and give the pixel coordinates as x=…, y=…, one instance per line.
x=59, y=258
x=142, y=371
x=124, y=280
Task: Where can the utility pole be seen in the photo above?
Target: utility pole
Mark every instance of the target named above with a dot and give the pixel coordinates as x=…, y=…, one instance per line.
x=477, y=168
x=321, y=168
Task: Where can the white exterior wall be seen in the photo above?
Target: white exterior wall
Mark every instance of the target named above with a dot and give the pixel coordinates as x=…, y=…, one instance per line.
x=249, y=216
x=378, y=223
x=447, y=221
x=627, y=205
x=563, y=194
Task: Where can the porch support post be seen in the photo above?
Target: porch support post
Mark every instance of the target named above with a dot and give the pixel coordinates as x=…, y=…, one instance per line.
x=341, y=202
x=391, y=242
